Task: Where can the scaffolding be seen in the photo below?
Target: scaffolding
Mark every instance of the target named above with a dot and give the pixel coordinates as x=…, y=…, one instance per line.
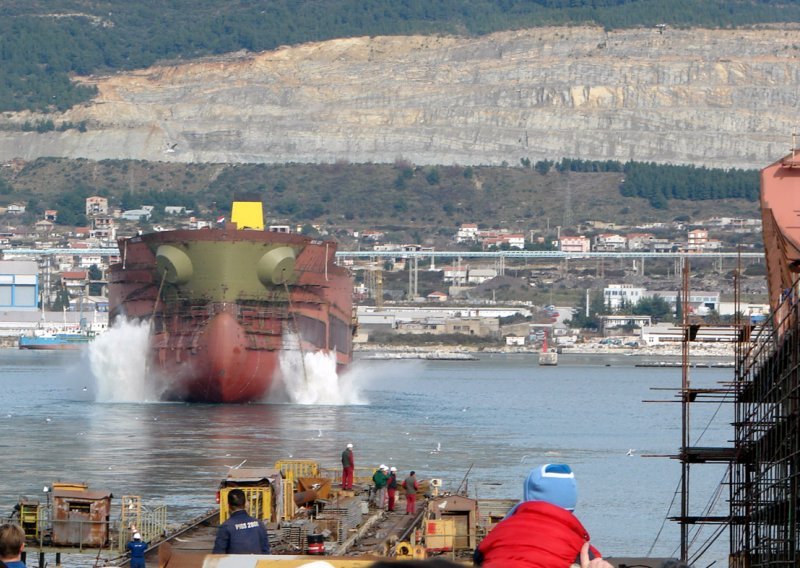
x=764, y=461
x=765, y=475
x=690, y=453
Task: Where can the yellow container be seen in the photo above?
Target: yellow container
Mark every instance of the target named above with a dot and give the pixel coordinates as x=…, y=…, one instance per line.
x=440, y=534
x=258, y=502
x=30, y=518
x=298, y=468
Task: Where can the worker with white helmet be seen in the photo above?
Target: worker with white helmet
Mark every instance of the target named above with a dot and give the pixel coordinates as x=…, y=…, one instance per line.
x=380, y=478
x=348, y=466
x=137, y=548
x=391, y=487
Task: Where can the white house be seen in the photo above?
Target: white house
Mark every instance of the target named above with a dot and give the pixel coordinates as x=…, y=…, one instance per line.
x=456, y=275
x=370, y=235
x=610, y=242
x=639, y=241
x=135, y=214
x=468, y=232
x=662, y=245
x=479, y=275
x=496, y=238
x=96, y=205
x=617, y=295
x=16, y=209
x=700, y=302
x=87, y=260
x=517, y=340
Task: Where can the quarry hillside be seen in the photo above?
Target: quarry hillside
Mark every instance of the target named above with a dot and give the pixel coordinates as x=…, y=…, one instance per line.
x=720, y=98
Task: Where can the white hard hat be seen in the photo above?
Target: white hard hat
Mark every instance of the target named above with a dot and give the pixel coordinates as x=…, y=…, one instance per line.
x=392, y=468
x=383, y=466
x=137, y=536
x=349, y=445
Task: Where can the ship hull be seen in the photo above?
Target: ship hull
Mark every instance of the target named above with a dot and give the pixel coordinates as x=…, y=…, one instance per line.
x=225, y=306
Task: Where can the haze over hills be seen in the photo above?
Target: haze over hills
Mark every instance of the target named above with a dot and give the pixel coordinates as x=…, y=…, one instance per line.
x=721, y=98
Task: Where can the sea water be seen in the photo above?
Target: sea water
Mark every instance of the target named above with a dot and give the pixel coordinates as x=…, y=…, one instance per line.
x=479, y=425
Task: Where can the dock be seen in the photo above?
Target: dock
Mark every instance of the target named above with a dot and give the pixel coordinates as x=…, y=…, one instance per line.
x=376, y=535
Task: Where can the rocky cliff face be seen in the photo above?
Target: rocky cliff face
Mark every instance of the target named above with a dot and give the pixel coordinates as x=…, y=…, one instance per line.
x=723, y=98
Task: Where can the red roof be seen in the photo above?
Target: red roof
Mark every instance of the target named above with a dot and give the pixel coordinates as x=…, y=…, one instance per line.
x=75, y=275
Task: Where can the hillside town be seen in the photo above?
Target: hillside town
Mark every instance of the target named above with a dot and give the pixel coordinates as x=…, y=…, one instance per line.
x=56, y=273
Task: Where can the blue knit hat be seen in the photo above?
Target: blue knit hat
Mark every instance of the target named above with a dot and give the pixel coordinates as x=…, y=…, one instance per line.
x=553, y=483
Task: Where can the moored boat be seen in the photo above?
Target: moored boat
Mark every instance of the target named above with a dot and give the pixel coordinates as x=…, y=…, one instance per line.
x=56, y=341
x=61, y=338
x=225, y=303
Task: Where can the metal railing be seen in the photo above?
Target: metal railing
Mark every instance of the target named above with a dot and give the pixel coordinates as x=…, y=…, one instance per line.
x=11, y=252
x=150, y=523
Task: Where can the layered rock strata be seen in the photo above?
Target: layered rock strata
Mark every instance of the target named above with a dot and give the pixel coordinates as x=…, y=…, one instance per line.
x=723, y=98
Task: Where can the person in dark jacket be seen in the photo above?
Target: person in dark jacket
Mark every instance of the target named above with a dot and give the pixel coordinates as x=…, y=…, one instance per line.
x=391, y=487
x=410, y=485
x=379, y=478
x=541, y=531
x=137, y=548
x=348, y=466
x=241, y=533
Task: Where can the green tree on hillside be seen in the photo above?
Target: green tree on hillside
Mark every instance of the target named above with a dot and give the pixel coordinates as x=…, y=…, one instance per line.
x=39, y=53
x=654, y=306
x=95, y=275
x=62, y=300
x=597, y=308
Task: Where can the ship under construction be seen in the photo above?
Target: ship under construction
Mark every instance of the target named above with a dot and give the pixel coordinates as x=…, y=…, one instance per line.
x=224, y=304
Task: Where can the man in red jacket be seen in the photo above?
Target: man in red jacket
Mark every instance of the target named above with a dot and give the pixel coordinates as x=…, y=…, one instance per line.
x=348, y=466
x=540, y=531
x=411, y=486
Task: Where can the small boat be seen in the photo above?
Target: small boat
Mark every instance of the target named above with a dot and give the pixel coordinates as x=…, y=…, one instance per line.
x=56, y=341
x=59, y=338
x=430, y=356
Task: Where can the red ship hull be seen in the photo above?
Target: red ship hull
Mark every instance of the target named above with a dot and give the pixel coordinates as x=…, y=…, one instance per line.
x=220, y=326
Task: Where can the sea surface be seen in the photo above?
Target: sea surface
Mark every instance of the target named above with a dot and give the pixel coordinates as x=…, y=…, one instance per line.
x=480, y=424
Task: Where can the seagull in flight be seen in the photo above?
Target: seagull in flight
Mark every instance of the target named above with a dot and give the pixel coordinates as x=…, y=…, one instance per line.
x=630, y=452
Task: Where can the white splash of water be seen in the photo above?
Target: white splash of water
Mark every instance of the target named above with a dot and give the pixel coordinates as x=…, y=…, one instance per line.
x=311, y=378
x=118, y=362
